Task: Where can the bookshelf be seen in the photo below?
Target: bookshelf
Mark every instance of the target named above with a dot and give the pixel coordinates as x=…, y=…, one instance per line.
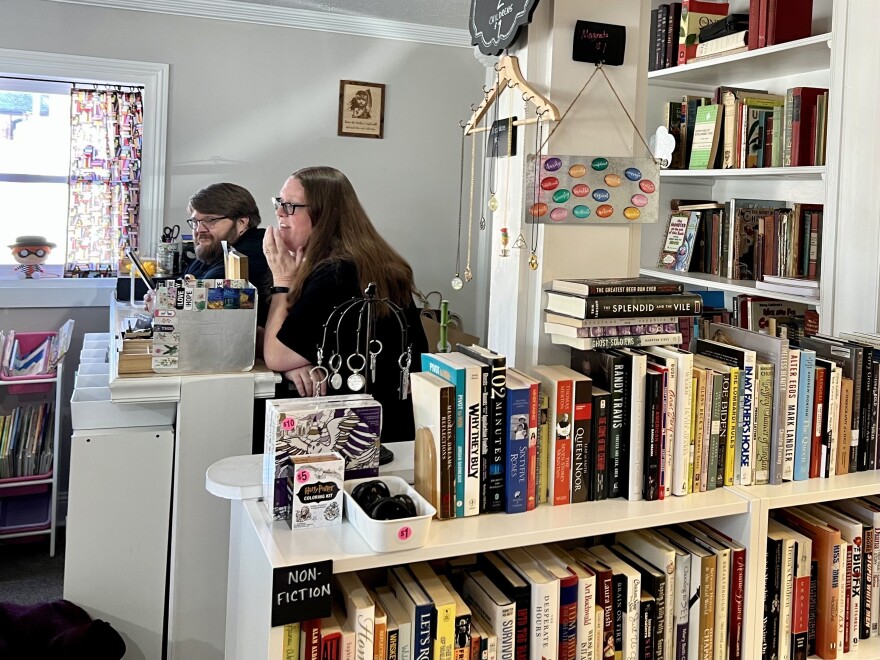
x=804, y=62
x=724, y=284
x=23, y=499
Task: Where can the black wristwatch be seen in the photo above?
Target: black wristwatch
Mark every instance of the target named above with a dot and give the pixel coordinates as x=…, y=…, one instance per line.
x=278, y=289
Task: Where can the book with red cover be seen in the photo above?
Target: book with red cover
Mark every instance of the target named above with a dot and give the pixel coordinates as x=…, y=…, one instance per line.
x=310, y=640
x=696, y=14
x=788, y=20
x=762, y=23
x=754, y=22
x=803, y=102
x=820, y=403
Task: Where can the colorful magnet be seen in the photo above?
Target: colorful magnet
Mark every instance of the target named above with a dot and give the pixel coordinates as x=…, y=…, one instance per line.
x=631, y=213
x=605, y=211
x=581, y=211
x=577, y=171
x=580, y=190
x=612, y=180
x=552, y=164
x=558, y=214
x=538, y=210
x=647, y=186
x=599, y=164
x=561, y=196
x=639, y=200
x=549, y=183
x=601, y=195
x=633, y=173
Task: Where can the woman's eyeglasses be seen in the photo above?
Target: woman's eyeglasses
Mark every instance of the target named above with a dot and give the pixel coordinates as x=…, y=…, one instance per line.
x=207, y=223
x=289, y=208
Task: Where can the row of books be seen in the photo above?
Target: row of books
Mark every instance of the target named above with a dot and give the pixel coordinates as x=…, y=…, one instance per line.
x=26, y=441
x=746, y=239
x=820, y=592
x=690, y=31
x=746, y=128
x=672, y=592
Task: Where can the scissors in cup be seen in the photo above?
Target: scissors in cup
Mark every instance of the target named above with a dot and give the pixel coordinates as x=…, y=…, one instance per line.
x=170, y=234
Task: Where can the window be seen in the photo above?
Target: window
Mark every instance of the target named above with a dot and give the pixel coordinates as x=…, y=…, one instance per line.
x=34, y=197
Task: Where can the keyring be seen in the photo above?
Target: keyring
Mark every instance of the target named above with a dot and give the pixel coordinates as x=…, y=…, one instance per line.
x=318, y=380
x=335, y=364
x=355, y=381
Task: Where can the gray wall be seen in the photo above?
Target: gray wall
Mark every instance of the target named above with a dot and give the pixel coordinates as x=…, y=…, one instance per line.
x=251, y=103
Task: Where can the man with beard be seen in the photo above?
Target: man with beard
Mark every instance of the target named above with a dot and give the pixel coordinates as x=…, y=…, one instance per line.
x=226, y=212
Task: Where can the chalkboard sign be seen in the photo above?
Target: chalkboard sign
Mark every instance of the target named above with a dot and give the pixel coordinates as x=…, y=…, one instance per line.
x=300, y=593
x=497, y=146
x=599, y=43
x=495, y=24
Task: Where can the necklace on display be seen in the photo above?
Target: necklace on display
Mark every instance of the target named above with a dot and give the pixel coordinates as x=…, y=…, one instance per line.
x=468, y=274
x=533, y=258
x=505, y=238
x=457, y=282
x=520, y=241
x=493, y=201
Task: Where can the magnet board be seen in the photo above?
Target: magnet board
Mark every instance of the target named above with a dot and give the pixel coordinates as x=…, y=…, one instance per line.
x=591, y=190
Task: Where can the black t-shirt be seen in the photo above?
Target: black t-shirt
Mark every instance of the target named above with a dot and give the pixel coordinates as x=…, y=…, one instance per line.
x=303, y=331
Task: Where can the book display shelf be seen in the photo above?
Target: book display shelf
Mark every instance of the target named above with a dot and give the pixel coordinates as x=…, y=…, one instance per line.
x=29, y=504
x=807, y=62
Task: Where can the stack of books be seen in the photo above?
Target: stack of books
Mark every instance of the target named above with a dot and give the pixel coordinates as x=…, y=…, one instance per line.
x=614, y=313
x=26, y=436
x=661, y=593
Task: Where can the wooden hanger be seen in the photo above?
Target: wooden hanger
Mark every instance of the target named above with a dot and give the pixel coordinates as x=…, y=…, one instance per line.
x=510, y=76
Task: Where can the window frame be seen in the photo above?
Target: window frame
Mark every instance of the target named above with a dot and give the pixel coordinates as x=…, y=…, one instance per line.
x=153, y=76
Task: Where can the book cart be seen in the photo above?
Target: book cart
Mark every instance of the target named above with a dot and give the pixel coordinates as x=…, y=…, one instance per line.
x=29, y=505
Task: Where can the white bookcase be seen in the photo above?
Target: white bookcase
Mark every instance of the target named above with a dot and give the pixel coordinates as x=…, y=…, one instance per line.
x=806, y=62
x=26, y=494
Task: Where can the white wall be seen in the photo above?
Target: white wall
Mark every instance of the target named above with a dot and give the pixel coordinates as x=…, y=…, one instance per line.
x=252, y=103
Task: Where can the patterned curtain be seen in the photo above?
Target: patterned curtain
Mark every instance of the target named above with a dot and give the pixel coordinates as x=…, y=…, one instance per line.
x=105, y=166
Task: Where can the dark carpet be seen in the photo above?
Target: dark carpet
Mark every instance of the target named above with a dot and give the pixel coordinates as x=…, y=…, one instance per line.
x=28, y=575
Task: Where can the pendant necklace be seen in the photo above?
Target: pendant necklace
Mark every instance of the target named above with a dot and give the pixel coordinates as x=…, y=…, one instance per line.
x=504, y=235
x=520, y=242
x=533, y=259
x=468, y=274
x=493, y=201
x=457, y=282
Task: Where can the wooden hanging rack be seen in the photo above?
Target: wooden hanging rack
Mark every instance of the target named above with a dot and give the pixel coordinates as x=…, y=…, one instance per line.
x=510, y=76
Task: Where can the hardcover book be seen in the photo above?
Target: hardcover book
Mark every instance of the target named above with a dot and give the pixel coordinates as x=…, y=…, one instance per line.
x=617, y=286
x=707, y=131
x=678, y=247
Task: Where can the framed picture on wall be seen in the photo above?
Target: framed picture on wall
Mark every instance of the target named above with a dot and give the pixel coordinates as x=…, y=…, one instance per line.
x=361, y=109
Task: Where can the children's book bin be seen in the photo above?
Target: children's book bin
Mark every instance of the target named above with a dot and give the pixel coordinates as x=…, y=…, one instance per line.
x=26, y=507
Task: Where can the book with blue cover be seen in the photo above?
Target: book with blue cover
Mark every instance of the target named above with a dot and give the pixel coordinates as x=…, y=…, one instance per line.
x=804, y=430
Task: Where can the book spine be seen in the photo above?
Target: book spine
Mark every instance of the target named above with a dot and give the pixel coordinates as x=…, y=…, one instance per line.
x=542, y=478
x=496, y=428
x=708, y=479
x=581, y=441
x=617, y=428
x=804, y=432
x=628, y=307
x=458, y=378
x=601, y=414
x=473, y=438
x=447, y=453
x=647, y=623
x=777, y=441
x=484, y=452
x=733, y=423
x=867, y=605
x=638, y=369
x=653, y=436
x=684, y=415
x=568, y=619
x=820, y=412
x=719, y=464
x=800, y=614
x=654, y=40
x=670, y=411
x=533, y=471
x=516, y=484
x=737, y=603
x=763, y=424
x=560, y=459
x=310, y=640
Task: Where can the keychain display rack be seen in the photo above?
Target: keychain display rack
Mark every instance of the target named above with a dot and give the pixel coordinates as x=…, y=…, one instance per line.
x=367, y=345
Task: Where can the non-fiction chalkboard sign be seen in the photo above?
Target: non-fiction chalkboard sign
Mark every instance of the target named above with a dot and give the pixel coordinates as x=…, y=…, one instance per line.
x=495, y=24
x=497, y=146
x=300, y=593
x=599, y=43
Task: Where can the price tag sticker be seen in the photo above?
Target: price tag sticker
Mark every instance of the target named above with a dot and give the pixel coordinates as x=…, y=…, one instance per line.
x=288, y=424
x=404, y=533
x=302, y=477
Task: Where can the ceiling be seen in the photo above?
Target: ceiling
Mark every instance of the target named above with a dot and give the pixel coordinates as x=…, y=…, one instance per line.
x=443, y=13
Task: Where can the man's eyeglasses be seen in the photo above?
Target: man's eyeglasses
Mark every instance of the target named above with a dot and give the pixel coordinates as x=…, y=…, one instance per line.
x=207, y=223
x=288, y=207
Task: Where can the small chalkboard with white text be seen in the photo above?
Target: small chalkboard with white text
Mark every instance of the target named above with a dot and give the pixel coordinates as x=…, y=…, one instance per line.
x=495, y=24
x=599, y=43
x=498, y=140
x=300, y=593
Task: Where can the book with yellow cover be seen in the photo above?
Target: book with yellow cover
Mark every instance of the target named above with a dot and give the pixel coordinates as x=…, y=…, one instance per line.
x=444, y=610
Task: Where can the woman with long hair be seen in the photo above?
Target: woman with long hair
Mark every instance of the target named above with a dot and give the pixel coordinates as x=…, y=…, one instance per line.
x=324, y=253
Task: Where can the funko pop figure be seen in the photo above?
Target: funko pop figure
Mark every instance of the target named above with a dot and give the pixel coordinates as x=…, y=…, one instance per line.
x=31, y=252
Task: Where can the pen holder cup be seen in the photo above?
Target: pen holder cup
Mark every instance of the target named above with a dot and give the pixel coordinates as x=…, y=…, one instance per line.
x=390, y=535
x=28, y=341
